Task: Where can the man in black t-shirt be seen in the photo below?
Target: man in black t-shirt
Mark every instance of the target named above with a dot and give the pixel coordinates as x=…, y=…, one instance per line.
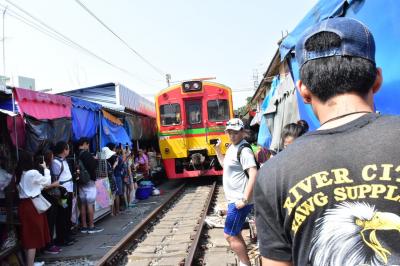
x=332, y=197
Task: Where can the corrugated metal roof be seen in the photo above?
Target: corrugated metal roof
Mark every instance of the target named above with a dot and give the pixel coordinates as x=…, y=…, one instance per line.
x=116, y=97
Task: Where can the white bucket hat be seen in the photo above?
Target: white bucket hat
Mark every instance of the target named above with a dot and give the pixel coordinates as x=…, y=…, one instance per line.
x=107, y=152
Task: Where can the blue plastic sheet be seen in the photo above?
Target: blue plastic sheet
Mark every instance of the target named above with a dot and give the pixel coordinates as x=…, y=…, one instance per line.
x=85, y=120
x=6, y=105
x=264, y=135
x=84, y=123
x=305, y=110
x=322, y=10
x=381, y=17
x=79, y=103
x=113, y=133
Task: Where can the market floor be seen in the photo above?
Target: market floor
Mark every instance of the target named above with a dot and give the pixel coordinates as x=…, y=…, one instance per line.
x=94, y=246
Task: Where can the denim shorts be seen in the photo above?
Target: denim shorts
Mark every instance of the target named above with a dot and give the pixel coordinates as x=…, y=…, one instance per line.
x=235, y=219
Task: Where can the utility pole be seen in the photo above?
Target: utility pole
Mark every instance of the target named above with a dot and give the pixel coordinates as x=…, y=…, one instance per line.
x=168, y=78
x=255, y=78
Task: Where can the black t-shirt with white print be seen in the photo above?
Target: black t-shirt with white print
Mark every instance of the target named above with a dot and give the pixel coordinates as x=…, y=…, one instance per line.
x=332, y=197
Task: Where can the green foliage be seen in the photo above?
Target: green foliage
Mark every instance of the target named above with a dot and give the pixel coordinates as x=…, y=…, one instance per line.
x=241, y=111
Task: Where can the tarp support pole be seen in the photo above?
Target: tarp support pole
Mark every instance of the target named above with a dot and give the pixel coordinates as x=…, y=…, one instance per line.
x=15, y=124
x=100, y=130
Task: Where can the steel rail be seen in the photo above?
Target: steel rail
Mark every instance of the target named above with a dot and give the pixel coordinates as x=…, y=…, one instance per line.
x=193, y=247
x=136, y=232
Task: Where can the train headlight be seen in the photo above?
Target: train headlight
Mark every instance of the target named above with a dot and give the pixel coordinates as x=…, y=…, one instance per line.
x=166, y=150
x=191, y=86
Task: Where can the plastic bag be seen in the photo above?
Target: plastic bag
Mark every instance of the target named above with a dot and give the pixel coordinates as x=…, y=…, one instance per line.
x=74, y=215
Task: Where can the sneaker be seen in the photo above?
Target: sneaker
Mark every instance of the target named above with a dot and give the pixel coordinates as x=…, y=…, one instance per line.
x=52, y=250
x=83, y=230
x=92, y=230
x=39, y=263
x=67, y=243
x=72, y=239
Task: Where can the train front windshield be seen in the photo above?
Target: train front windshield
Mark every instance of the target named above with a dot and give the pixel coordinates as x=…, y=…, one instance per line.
x=170, y=114
x=218, y=110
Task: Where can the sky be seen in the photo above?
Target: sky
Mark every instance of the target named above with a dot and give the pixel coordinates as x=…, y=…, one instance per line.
x=232, y=41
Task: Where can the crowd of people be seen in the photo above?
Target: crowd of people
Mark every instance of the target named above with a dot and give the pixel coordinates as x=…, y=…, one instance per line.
x=68, y=190
x=328, y=197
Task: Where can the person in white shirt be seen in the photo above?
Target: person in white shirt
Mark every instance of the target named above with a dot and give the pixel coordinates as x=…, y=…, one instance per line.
x=60, y=172
x=238, y=180
x=34, y=231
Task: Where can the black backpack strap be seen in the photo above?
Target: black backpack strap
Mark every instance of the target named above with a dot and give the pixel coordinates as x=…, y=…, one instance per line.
x=80, y=153
x=241, y=147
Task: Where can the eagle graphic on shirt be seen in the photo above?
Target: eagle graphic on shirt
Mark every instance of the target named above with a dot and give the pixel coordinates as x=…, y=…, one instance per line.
x=347, y=235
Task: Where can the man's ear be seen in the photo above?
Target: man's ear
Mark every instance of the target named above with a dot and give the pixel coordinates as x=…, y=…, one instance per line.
x=304, y=92
x=378, y=81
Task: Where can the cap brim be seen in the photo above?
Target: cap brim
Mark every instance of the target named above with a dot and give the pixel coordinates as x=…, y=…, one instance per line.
x=237, y=128
x=109, y=154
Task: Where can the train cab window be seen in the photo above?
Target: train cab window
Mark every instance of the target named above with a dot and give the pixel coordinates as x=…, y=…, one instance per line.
x=170, y=114
x=194, y=114
x=218, y=110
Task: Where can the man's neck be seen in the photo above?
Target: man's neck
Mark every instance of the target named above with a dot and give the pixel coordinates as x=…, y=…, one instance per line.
x=351, y=105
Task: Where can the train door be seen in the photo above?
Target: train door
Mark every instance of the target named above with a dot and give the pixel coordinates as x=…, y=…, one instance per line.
x=195, y=126
x=194, y=116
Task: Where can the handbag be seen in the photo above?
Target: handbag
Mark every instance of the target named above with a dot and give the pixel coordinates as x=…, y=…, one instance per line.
x=54, y=192
x=40, y=203
x=57, y=193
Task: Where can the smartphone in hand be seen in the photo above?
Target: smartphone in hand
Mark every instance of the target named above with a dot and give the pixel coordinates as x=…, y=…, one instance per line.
x=42, y=161
x=214, y=141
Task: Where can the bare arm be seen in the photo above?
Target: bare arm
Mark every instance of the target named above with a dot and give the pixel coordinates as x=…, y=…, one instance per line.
x=220, y=156
x=269, y=262
x=248, y=192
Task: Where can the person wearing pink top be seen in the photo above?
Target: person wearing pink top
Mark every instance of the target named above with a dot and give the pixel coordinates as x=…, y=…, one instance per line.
x=142, y=163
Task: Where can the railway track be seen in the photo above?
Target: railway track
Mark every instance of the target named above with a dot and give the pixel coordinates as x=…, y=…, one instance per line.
x=166, y=237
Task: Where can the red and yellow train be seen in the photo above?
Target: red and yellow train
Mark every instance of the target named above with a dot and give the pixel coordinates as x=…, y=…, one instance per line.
x=191, y=116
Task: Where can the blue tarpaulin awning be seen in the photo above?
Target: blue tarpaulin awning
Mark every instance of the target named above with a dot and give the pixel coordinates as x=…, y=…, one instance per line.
x=381, y=17
x=322, y=10
x=113, y=133
x=79, y=103
x=85, y=118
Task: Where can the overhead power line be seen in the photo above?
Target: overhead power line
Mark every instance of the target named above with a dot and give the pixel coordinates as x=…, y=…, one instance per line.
x=32, y=24
x=51, y=32
x=123, y=41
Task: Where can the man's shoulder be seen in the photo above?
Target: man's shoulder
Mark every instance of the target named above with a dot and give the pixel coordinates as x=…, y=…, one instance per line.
x=84, y=154
x=390, y=120
x=57, y=160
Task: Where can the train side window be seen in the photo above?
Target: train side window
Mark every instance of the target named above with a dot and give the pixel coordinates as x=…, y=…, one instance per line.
x=170, y=114
x=218, y=110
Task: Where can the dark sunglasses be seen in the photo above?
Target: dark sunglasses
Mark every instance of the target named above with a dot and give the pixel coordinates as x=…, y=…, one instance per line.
x=233, y=124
